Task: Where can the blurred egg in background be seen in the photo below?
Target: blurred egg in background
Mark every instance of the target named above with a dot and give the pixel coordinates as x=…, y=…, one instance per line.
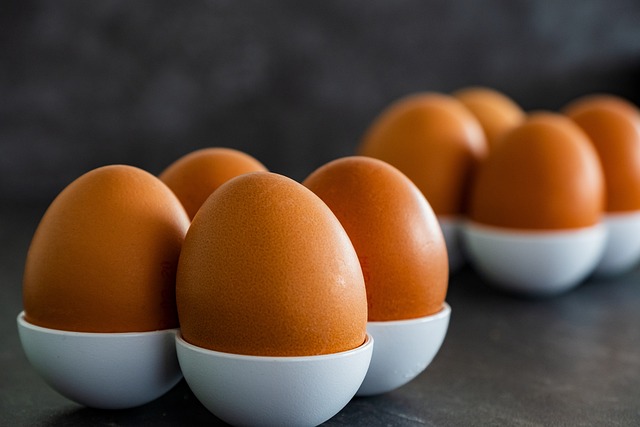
x=438, y=143
x=496, y=112
x=194, y=176
x=613, y=126
x=536, y=208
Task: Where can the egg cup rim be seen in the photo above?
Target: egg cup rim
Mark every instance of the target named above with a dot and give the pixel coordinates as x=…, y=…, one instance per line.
x=368, y=342
x=496, y=230
x=444, y=312
x=22, y=321
x=622, y=215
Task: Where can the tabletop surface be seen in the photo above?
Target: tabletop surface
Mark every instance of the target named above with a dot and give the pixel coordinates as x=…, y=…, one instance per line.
x=571, y=360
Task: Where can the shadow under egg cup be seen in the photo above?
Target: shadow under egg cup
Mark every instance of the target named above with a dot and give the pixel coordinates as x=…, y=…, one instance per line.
x=535, y=263
x=264, y=390
x=403, y=350
x=103, y=370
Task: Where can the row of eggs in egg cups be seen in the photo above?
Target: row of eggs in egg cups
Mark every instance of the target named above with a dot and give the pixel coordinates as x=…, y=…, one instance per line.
x=530, y=260
x=537, y=201
x=277, y=301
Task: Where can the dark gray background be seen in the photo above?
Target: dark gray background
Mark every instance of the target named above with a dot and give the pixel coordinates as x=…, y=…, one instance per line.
x=294, y=83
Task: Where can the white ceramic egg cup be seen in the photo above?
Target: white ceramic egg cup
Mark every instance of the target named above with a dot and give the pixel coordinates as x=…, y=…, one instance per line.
x=534, y=263
x=261, y=390
x=103, y=370
x=622, y=251
x=403, y=350
x=452, y=231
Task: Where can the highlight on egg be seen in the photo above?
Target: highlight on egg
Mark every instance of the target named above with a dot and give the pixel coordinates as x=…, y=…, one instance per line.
x=196, y=175
x=613, y=127
x=267, y=269
x=538, y=200
x=438, y=143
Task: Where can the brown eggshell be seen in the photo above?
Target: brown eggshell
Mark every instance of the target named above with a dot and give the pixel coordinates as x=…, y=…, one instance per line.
x=104, y=256
x=266, y=269
x=196, y=175
x=435, y=141
x=496, y=112
x=613, y=126
x=545, y=174
x=394, y=231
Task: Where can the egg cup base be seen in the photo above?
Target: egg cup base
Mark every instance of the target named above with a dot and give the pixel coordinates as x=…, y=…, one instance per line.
x=531, y=262
x=263, y=390
x=103, y=370
x=403, y=350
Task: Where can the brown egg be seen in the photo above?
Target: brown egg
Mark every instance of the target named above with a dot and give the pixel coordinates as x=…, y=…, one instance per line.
x=544, y=174
x=394, y=231
x=613, y=125
x=196, y=175
x=435, y=141
x=267, y=269
x=104, y=256
x=496, y=112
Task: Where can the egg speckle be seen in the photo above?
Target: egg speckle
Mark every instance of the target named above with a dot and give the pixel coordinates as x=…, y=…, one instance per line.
x=434, y=140
x=545, y=174
x=394, y=231
x=104, y=256
x=267, y=269
x=196, y=175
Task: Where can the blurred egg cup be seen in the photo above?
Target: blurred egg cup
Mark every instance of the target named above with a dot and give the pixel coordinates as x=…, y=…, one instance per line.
x=534, y=263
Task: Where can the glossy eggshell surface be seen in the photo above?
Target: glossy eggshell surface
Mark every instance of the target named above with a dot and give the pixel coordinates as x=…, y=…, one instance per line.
x=613, y=126
x=496, y=112
x=196, y=175
x=394, y=231
x=434, y=140
x=545, y=174
x=267, y=270
x=104, y=256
